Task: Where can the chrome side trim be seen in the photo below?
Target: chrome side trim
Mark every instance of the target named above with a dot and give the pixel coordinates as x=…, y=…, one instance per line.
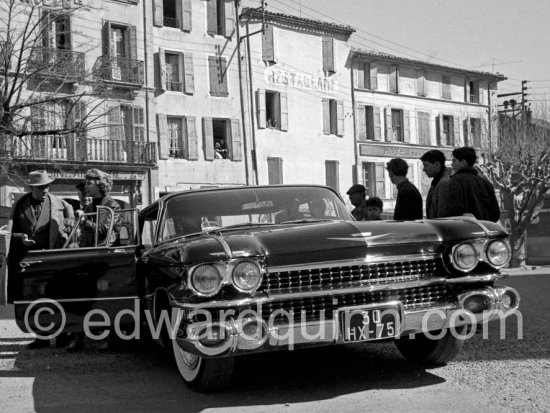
x=474, y=279
x=367, y=260
x=77, y=300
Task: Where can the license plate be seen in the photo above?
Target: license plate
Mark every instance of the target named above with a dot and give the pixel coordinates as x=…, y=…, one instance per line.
x=369, y=323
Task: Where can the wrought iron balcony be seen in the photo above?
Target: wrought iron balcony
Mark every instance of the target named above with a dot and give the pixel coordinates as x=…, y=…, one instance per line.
x=119, y=70
x=171, y=22
x=80, y=149
x=57, y=62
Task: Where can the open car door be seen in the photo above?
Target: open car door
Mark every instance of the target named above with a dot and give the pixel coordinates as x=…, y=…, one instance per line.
x=95, y=270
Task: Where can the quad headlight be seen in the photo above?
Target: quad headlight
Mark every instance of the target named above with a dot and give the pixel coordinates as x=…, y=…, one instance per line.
x=465, y=257
x=206, y=280
x=498, y=253
x=246, y=276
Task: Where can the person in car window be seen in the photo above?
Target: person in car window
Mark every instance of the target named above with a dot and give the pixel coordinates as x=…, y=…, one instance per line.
x=98, y=187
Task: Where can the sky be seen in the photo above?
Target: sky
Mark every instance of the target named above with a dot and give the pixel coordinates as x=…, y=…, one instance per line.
x=510, y=37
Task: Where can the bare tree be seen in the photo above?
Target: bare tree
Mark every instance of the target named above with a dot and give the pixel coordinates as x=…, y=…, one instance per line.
x=520, y=168
x=47, y=101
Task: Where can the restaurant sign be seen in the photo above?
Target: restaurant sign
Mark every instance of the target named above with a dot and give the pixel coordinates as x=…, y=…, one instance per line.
x=300, y=80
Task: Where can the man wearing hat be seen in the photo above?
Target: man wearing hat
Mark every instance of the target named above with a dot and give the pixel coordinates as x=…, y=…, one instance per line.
x=37, y=221
x=357, y=194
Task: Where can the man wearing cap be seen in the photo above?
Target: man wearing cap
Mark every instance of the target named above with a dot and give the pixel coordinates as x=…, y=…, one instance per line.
x=37, y=221
x=357, y=195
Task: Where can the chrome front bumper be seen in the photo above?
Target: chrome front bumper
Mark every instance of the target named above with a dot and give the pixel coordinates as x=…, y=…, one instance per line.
x=234, y=336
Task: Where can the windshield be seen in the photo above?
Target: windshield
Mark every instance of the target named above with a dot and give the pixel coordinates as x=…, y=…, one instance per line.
x=194, y=212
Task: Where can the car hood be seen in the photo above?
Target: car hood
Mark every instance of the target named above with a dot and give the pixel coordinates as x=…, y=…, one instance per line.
x=299, y=243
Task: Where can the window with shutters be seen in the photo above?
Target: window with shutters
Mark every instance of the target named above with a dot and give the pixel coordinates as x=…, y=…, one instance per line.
x=366, y=75
x=332, y=175
x=56, y=30
x=423, y=123
x=397, y=125
x=421, y=83
x=374, y=179
x=474, y=135
x=217, y=68
x=172, y=13
x=445, y=130
x=446, y=87
x=275, y=171
x=369, y=123
x=329, y=65
x=176, y=71
x=220, y=17
x=175, y=137
x=333, y=117
x=473, y=95
x=222, y=139
x=272, y=108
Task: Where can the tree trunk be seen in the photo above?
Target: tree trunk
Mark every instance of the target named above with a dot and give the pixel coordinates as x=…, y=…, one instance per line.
x=517, y=241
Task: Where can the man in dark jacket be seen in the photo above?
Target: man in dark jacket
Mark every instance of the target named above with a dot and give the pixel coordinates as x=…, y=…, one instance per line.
x=408, y=205
x=433, y=163
x=470, y=193
x=38, y=220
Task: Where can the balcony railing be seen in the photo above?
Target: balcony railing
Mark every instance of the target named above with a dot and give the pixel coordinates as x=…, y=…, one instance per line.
x=121, y=70
x=57, y=62
x=66, y=147
x=171, y=22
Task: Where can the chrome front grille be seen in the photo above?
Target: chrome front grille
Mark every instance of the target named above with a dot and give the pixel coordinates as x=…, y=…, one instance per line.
x=345, y=276
x=323, y=307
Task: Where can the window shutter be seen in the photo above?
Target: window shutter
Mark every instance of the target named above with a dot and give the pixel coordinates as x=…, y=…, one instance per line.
x=340, y=118
x=260, y=108
x=208, y=138
x=189, y=73
x=377, y=124
x=268, y=45
x=466, y=132
x=211, y=17
x=373, y=77
x=133, y=42
x=389, y=128
x=406, y=126
x=420, y=83
x=139, y=124
x=275, y=171
x=326, y=116
x=466, y=90
x=222, y=75
x=361, y=122
x=328, y=54
x=163, y=138
x=162, y=69
x=213, y=72
x=446, y=87
x=67, y=31
x=478, y=95
x=380, y=180
x=186, y=16
x=360, y=75
x=439, y=128
x=229, y=17
x=192, y=139
x=115, y=126
x=456, y=131
x=393, y=79
x=158, y=13
x=106, y=38
x=236, y=141
x=479, y=132
x=284, y=111
x=46, y=28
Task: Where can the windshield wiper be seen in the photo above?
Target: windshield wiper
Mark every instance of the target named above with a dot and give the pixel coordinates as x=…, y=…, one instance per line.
x=303, y=220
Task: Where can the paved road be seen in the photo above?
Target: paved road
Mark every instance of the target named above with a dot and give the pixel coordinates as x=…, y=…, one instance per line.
x=490, y=375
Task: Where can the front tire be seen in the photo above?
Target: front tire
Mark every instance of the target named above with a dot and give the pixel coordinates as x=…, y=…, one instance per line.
x=432, y=352
x=203, y=374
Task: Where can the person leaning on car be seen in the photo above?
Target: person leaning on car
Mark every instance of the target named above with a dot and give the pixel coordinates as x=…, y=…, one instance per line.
x=470, y=193
x=434, y=167
x=37, y=221
x=408, y=205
